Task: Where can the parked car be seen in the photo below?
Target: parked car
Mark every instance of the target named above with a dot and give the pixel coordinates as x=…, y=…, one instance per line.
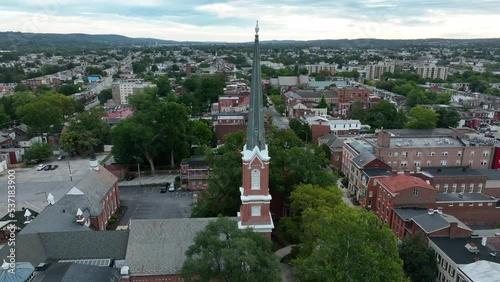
x=32, y=162
x=171, y=188
x=130, y=177
x=61, y=158
x=47, y=167
x=54, y=167
x=40, y=167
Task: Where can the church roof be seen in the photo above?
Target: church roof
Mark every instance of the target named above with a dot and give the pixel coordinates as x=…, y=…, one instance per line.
x=255, y=125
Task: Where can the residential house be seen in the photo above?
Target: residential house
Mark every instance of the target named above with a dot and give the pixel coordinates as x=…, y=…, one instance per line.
x=194, y=173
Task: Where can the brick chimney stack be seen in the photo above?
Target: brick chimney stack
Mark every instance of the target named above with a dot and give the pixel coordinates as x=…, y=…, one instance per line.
x=79, y=216
x=453, y=230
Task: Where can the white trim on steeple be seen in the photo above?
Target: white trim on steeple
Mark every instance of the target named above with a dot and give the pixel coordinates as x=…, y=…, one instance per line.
x=75, y=191
x=248, y=155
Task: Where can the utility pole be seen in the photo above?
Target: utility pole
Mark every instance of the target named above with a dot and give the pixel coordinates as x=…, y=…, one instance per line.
x=69, y=167
x=139, y=170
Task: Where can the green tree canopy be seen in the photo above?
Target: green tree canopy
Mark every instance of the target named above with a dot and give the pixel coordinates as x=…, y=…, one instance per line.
x=421, y=118
x=222, y=252
x=448, y=118
x=385, y=114
x=105, y=95
x=347, y=244
x=39, y=151
x=322, y=103
x=163, y=84
x=39, y=116
x=419, y=262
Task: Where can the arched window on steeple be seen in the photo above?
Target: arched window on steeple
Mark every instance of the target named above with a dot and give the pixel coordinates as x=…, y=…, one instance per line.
x=255, y=179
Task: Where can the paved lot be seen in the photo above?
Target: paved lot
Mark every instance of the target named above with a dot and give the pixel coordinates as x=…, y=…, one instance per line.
x=32, y=185
x=149, y=203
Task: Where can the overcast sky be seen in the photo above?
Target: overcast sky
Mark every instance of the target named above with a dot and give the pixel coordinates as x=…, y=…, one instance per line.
x=233, y=21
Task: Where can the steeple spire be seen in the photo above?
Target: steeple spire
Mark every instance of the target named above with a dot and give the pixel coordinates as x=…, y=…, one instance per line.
x=255, y=126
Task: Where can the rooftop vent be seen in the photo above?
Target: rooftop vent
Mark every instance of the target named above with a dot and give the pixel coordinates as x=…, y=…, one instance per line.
x=472, y=248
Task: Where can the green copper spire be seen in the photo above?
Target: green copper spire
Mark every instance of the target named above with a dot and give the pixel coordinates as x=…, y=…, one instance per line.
x=255, y=126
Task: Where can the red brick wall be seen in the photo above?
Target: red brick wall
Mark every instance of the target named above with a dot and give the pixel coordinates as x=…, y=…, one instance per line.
x=345, y=94
x=221, y=130
x=336, y=159
x=476, y=215
x=319, y=130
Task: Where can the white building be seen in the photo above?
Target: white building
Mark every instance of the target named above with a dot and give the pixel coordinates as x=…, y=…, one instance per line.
x=123, y=89
x=376, y=71
x=316, y=68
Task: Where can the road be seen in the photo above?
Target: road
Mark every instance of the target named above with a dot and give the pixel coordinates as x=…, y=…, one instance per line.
x=278, y=120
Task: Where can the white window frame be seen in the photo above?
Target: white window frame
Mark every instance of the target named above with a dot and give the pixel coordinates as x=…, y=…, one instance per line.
x=256, y=211
x=255, y=179
x=444, y=154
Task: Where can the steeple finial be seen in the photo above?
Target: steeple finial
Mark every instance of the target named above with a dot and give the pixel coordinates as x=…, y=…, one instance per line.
x=257, y=28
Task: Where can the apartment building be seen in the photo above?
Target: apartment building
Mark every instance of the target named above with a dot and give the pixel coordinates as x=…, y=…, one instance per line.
x=323, y=126
x=351, y=94
x=122, y=89
x=376, y=71
x=432, y=71
x=317, y=68
x=414, y=149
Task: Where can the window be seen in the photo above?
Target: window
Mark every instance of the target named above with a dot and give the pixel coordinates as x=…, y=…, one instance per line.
x=418, y=154
x=463, y=188
x=471, y=204
x=431, y=154
x=404, y=163
x=416, y=163
x=437, y=187
x=415, y=191
x=395, y=163
x=457, y=163
x=480, y=204
x=404, y=154
x=255, y=210
x=444, y=153
x=459, y=153
x=472, y=153
x=470, y=163
x=428, y=163
x=337, y=158
x=454, y=188
x=443, y=162
x=255, y=179
x=370, y=194
x=461, y=204
x=486, y=153
x=480, y=187
x=471, y=188
x=490, y=204
x=445, y=188
x=390, y=154
x=484, y=162
x=396, y=154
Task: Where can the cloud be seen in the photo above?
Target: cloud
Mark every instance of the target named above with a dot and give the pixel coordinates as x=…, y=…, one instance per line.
x=233, y=20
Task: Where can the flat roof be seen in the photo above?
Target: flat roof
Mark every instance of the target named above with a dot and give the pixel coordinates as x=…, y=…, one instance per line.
x=420, y=142
x=466, y=197
x=455, y=249
x=452, y=171
x=376, y=172
x=484, y=271
x=491, y=174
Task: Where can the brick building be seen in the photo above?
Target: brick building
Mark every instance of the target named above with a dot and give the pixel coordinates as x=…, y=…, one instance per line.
x=455, y=179
x=351, y=94
x=335, y=143
x=194, y=173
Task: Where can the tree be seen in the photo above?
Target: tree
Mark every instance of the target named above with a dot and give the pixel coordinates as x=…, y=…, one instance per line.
x=105, y=95
x=357, y=111
x=39, y=116
x=419, y=261
x=322, y=103
x=66, y=105
x=279, y=104
x=385, y=114
x=68, y=89
x=448, y=118
x=201, y=133
x=39, y=151
x=347, y=244
x=303, y=131
x=4, y=118
x=163, y=84
x=222, y=252
x=421, y=118
x=225, y=173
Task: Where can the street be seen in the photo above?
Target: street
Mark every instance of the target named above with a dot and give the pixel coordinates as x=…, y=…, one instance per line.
x=278, y=120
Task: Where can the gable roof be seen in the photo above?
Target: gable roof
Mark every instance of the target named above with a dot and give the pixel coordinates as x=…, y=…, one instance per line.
x=157, y=247
x=363, y=159
x=94, y=185
x=400, y=182
x=434, y=222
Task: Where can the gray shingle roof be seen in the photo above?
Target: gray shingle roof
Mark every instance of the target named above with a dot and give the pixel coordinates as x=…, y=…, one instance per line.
x=37, y=248
x=95, y=185
x=363, y=158
x=452, y=171
x=74, y=272
x=467, y=197
x=159, y=246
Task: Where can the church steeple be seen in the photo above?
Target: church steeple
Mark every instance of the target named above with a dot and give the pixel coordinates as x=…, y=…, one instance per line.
x=255, y=198
x=255, y=126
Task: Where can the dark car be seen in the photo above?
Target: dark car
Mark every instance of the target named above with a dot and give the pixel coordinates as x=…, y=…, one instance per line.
x=32, y=162
x=165, y=187
x=47, y=167
x=54, y=167
x=130, y=177
x=61, y=158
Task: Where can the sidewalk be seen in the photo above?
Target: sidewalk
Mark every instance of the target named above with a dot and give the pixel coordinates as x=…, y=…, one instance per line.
x=345, y=193
x=145, y=180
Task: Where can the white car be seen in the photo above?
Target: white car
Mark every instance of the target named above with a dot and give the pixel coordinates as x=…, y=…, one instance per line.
x=40, y=167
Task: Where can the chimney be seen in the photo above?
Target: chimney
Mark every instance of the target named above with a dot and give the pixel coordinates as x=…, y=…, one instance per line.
x=440, y=210
x=384, y=139
x=79, y=216
x=430, y=211
x=453, y=230
x=93, y=161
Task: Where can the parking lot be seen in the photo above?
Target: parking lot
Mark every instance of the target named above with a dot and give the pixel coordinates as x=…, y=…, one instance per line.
x=32, y=186
x=149, y=203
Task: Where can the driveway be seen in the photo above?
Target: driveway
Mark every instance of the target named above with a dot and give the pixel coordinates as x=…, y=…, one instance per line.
x=149, y=203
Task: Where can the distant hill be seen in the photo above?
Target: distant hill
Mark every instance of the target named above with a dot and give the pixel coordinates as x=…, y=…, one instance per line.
x=39, y=41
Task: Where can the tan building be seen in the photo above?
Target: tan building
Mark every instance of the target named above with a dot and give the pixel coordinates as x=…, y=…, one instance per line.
x=376, y=71
x=123, y=89
x=322, y=67
x=432, y=71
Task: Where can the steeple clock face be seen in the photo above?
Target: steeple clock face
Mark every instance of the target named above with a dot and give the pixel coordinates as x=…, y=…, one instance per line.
x=255, y=179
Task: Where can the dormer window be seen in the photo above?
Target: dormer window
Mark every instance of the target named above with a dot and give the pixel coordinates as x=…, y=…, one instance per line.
x=255, y=179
